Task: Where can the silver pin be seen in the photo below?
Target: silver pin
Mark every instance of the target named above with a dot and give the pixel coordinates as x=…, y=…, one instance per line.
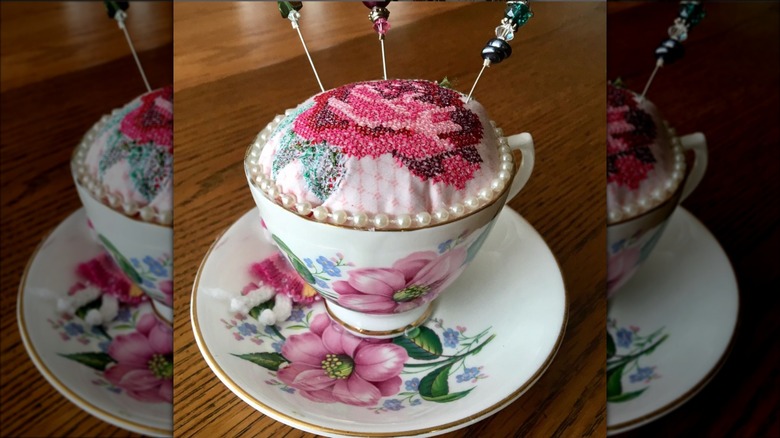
x=293, y=16
x=486, y=63
x=120, y=17
x=658, y=65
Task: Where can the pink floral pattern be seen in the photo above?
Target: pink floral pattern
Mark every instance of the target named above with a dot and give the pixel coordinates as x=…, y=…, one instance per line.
x=630, y=131
x=621, y=267
x=329, y=365
x=412, y=281
x=104, y=274
x=144, y=359
x=276, y=272
x=427, y=128
x=152, y=122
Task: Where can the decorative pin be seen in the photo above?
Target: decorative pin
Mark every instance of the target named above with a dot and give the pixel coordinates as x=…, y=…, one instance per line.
x=289, y=10
x=516, y=14
x=671, y=49
x=116, y=10
x=379, y=15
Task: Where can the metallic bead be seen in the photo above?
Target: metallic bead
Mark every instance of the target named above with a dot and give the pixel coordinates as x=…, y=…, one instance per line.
x=669, y=50
x=496, y=50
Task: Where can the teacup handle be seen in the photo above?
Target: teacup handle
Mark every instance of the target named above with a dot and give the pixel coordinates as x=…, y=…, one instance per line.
x=524, y=143
x=698, y=144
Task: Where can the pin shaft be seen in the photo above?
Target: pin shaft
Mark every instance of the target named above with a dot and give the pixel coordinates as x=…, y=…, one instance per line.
x=121, y=21
x=650, y=80
x=484, y=64
x=306, y=49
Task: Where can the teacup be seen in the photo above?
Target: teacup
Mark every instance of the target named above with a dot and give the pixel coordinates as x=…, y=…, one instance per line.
x=139, y=239
x=380, y=282
x=630, y=242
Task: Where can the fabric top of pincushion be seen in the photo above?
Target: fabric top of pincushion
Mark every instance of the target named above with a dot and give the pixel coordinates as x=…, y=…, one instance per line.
x=394, y=147
x=641, y=155
x=129, y=155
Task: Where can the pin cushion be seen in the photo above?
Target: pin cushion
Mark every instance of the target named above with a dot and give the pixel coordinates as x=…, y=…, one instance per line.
x=126, y=160
x=645, y=160
x=388, y=154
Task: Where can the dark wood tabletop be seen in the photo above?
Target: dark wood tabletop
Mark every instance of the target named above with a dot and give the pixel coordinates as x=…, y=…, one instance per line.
x=728, y=87
x=241, y=65
x=63, y=67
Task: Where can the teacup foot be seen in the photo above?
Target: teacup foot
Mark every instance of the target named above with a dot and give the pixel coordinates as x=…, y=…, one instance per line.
x=377, y=326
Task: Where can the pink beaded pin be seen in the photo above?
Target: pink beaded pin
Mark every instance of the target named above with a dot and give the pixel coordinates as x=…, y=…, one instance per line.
x=379, y=15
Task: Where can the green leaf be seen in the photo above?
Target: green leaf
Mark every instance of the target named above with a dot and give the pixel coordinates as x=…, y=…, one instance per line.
x=299, y=266
x=270, y=361
x=445, y=83
x=125, y=265
x=610, y=346
x=625, y=397
x=98, y=361
x=420, y=343
x=435, y=385
x=82, y=311
x=258, y=309
x=614, y=376
x=448, y=397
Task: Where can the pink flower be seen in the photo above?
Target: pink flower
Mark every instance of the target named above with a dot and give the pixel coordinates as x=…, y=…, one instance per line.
x=330, y=365
x=144, y=359
x=277, y=273
x=412, y=281
x=166, y=287
x=103, y=273
x=620, y=267
x=426, y=128
x=152, y=122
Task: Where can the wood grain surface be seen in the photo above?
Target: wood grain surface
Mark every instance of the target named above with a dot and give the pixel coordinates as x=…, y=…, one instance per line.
x=726, y=86
x=63, y=67
x=242, y=69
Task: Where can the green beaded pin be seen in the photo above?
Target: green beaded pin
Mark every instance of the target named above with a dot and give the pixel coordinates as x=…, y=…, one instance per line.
x=671, y=49
x=516, y=15
x=289, y=11
x=116, y=10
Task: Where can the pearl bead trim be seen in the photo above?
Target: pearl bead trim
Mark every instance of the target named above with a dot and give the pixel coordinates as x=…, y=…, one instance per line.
x=115, y=202
x=660, y=194
x=380, y=221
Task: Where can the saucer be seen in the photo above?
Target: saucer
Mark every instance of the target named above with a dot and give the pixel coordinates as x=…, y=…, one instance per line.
x=491, y=335
x=671, y=326
x=70, y=354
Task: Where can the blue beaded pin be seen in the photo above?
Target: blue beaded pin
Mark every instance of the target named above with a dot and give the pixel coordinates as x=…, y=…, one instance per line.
x=379, y=15
x=289, y=10
x=671, y=49
x=516, y=14
x=116, y=10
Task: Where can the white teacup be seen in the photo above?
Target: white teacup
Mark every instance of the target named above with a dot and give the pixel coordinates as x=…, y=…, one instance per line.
x=631, y=241
x=378, y=283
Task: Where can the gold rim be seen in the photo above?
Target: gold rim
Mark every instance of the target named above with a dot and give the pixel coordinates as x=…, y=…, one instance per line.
x=52, y=379
x=303, y=425
x=419, y=321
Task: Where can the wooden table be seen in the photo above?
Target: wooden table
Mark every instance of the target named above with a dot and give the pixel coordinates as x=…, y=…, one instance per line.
x=726, y=86
x=237, y=66
x=64, y=66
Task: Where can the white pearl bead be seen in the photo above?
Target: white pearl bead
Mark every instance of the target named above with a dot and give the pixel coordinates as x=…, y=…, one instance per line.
x=287, y=200
x=273, y=192
x=629, y=210
x=615, y=215
x=254, y=152
x=669, y=185
x=289, y=111
x=506, y=157
x=263, y=136
x=504, y=150
x=658, y=194
x=99, y=192
x=507, y=166
x=423, y=218
x=497, y=185
x=262, y=183
x=164, y=217
x=679, y=166
x=485, y=194
x=504, y=175
x=320, y=213
x=146, y=213
x=676, y=175
x=381, y=220
x=441, y=215
x=112, y=200
x=278, y=118
x=643, y=203
x=303, y=208
x=403, y=221
x=129, y=208
x=457, y=209
x=360, y=219
x=471, y=203
x=679, y=158
x=339, y=217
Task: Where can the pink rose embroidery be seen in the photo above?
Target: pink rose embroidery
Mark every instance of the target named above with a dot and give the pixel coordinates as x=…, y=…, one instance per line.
x=276, y=272
x=105, y=275
x=630, y=131
x=152, y=122
x=144, y=359
x=621, y=267
x=330, y=365
x=412, y=281
x=426, y=128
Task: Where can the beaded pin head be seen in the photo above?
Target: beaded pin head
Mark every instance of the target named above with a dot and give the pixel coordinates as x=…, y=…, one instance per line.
x=671, y=49
x=516, y=15
x=379, y=15
x=116, y=11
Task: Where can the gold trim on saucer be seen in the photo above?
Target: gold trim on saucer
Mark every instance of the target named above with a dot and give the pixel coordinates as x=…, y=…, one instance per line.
x=306, y=426
x=53, y=380
x=424, y=317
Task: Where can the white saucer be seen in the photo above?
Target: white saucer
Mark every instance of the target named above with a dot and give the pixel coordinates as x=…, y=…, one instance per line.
x=47, y=335
x=685, y=300
x=513, y=291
